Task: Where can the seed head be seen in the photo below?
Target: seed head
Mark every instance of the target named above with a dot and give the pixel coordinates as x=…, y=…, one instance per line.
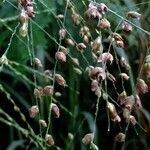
x=62, y=34
x=75, y=61
x=70, y=42
x=87, y=139
x=104, y=24
x=60, y=56
x=124, y=76
x=113, y=113
x=43, y=123
x=120, y=44
x=77, y=70
x=23, y=17
x=129, y=102
x=38, y=92
x=48, y=90
x=121, y=97
x=33, y=111
x=110, y=77
x=97, y=73
x=138, y=103
x=106, y=57
x=134, y=14
x=141, y=86
x=76, y=18
x=95, y=88
x=55, y=110
x=81, y=46
x=132, y=120
x=49, y=139
x=127, y=27
x=102, y=8
x=37, y=62
x=24, y=29
x=60, y=80
x=120, y=137
x=124, y=63
x=92, y=11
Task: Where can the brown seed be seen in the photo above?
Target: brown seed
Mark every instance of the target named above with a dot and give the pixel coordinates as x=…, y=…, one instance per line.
x=124, y=76
x=38, y=92
x=124, y=63
x=70, y=42
x=77, y=70
x=60, y=80
x=141, y=86
x=30, y=11
x=113, y=113
x=24, y=29
x=104, y=24
x=60, y=56
x=98, y=73
x=92, y=11
x=81, y=46
x=120, y=44
x=43, y=123
x=87, y=139
x=102, y=8
x=33, y=111
x=132, y=120
x=121, y=97
x=84, y=31
x=127, y=27
x=105, y=57
x=62, y=34
x=55, y=110
x=48, y=90
x=117, y=36
x=95, y=88
x=138, y=103
x=37, y=62
x=120, y=137
x=23, y=16
x=134, y=14
x=49, y=139
x=129, y=102
x=75, y=61
x=58, y=94
x=76, y=18
x=96, y=44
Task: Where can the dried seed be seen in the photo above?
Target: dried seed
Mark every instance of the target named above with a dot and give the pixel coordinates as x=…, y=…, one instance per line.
x=141, y=86
x=48, y=90
x=60, y=56
x=120, y=137
x=49, y=139
x=55, y=110
x=134, y=14
x=60, y=80
x=87, y=139
x=43, y=123
x=124, y=76
x=37, y=62
x=62, y=34
x=104, y=24
x=127, y=27
x=33, y=111
x=105, y=57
